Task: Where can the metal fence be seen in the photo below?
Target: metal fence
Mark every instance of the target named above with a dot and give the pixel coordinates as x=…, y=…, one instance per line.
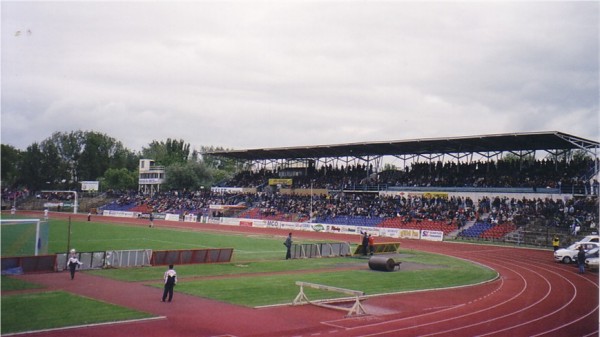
x=325, y=249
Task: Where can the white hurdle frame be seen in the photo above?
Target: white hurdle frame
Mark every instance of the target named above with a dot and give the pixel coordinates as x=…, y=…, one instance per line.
x=355, y=310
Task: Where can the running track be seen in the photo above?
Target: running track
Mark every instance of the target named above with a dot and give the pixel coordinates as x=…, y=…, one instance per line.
x=533, y=296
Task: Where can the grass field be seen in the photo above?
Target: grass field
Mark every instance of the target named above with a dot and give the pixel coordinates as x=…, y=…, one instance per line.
x=46, y=310
x=257, y=275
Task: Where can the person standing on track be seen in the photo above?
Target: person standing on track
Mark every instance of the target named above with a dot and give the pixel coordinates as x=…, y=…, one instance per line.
x=555, y=242
x=151, y=220
x=288, y=244
x=170, y=278
x=73, y=263
x=581, y=260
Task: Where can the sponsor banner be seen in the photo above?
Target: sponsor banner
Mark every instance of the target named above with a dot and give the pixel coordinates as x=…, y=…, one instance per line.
x=226, y=189
x=226, y=207
x=150, y=181
x=390, y=232
x=230, y=221
x=245, y=223
x=289, y=225
x=432, y=235
x=272, y=224
x=318, y=227
x=121, y=214
x=257, y=223
x=172, y=217
x=287, y=182
x=409, y=234
x=53, y=204
x=415, y=194
x=341, y=229
x=374, y=231
x=435, y=195
x=190, y=218
x=333, y=228
x=89, y=185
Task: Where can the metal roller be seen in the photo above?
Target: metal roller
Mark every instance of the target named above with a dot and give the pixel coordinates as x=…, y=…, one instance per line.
x=383, y=263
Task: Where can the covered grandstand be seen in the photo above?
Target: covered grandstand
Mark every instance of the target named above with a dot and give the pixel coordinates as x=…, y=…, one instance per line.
x=290, y=185
x=492, y=225
x=456, y=148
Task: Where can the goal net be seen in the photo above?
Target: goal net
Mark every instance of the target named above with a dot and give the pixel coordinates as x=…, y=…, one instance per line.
x=24, y=237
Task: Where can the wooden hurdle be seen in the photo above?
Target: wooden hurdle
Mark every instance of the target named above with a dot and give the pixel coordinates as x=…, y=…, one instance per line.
x=355, y=310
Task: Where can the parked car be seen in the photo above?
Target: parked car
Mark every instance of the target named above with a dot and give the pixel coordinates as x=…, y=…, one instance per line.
x=590, y=238
x=591, y=263
x=594, y=252
x=569, y=254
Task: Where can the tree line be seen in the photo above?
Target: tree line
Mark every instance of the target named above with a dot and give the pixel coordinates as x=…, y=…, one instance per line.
x=65, y=159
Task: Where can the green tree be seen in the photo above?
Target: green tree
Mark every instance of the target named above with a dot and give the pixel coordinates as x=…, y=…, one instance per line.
x=222, y=168
x=167, y=153
x=54, y=169
x=87, y=155
x=119, y=179
x=69, y=146
x=190, y=176
x=97, y=154
x=123, y=158
x=31, y=171
x=10, y=160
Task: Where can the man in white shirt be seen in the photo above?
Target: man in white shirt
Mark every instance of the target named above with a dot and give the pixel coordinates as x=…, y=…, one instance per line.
x=170, y=278
x=73, y=263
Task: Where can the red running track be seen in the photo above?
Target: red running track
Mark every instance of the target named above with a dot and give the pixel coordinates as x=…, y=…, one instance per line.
x=533, y=296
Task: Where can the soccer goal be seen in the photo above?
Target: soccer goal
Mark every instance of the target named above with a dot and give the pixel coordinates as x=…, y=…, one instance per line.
x=24, y=237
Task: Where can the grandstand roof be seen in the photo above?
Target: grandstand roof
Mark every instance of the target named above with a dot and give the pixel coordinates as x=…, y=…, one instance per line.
x=511, y=142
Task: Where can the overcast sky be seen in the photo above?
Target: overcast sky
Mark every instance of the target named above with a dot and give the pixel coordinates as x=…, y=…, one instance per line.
x=248, y=74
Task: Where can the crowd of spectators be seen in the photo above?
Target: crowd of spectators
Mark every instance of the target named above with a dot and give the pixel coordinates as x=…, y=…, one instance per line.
x=569, y=177
x=325, y=208
x=339, y=202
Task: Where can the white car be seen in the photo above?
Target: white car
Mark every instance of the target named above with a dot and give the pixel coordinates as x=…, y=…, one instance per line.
x=590, y=238
x=569, y=254
x=591, y=263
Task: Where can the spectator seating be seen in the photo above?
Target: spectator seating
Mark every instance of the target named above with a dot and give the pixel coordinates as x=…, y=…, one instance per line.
x=419, y=224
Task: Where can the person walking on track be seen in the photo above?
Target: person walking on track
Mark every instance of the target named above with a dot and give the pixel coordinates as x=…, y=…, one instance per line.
x=170, y=279
x=73, y=263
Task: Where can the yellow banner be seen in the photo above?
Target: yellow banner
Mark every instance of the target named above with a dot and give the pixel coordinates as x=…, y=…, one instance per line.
x=287, y=182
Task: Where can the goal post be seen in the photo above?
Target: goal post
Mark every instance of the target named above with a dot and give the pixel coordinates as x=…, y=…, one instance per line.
x=24, y=237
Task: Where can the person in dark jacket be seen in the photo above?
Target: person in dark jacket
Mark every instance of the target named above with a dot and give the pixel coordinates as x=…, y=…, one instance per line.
x=365, y=244
x=581, y=260
x=288, y=244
